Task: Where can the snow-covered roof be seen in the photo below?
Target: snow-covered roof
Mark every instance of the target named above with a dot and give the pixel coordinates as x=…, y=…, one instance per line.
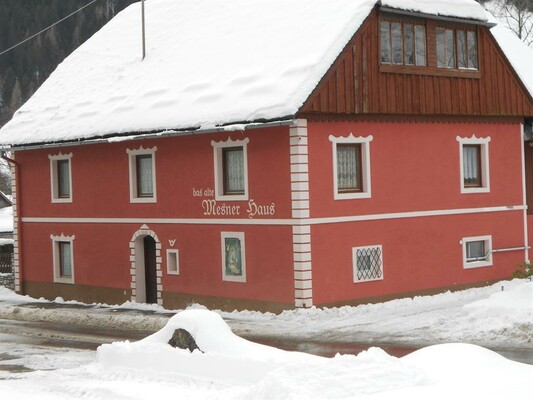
x=6, y=219
x=209, y=62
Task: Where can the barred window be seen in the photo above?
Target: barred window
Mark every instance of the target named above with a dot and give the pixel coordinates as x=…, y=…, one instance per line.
x=367, y=263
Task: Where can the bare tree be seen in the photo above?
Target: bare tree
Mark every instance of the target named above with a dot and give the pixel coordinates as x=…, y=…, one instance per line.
x=517, y=15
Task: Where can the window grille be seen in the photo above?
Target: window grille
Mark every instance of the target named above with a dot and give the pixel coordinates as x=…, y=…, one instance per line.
x=368, y=263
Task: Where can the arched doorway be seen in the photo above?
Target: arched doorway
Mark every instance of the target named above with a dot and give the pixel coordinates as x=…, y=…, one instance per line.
x=145, y=257
x=150, y=269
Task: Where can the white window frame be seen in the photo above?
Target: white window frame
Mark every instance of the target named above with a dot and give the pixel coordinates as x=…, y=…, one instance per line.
x=488, y=248
x=485, y=170
x=56, y=258
x=231, y=235
x=173, y=253
x=219, y=168
x=366, y=192
x=354, y=263
x=132, y=161
x=54, y=179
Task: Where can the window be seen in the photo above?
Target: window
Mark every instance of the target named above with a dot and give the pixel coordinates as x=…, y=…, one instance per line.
x=63, y=258
x=477, y=251
x=61, y=178
x=351, y=167
x=367, y=263
x=173, y=262
x=474, y=164
x=142, y=175
x=231, y=169
x=403, y=43
x=456, y=48
x=233, y=257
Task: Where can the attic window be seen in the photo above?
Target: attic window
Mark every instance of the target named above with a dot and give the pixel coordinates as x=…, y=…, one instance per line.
x=403, y=43
x=456, y=48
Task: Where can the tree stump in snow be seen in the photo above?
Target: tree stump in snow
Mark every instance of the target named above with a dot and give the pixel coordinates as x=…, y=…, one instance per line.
x=183, y=340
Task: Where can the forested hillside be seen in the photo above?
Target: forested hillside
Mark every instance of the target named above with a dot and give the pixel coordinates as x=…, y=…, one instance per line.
x=25, y=68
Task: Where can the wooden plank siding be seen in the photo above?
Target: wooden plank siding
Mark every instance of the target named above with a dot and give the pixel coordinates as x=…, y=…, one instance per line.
x=356, y=83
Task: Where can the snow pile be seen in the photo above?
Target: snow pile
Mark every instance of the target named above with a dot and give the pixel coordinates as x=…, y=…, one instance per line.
x=229, y=356
x=208, y=62
x=437, y=372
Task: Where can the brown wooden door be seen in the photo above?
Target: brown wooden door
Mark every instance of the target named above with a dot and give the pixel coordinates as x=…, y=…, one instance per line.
x=150, y=273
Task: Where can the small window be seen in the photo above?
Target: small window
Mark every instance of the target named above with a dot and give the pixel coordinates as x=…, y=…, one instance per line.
x=142, y=175
x=477, y=251
x=145, y=182
x=351, y=167
x=173, y=262
x=63, y=258
x=233, y=257
x=456, y=48
x=231, y=169
x=61, y=178
x=474, y=164
x=367, y=263
x=402, y=43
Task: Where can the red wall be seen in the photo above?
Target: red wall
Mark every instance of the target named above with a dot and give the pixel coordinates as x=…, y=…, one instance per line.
x=414, y=167
x=100, y=189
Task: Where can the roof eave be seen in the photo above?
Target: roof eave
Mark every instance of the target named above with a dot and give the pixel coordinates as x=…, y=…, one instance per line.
x=154, y=134
x=436, y=17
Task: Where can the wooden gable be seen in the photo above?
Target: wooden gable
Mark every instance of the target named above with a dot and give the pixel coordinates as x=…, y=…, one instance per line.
x=357, y=83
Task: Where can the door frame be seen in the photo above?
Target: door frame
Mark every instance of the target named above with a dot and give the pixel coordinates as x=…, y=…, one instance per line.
x=137, y=267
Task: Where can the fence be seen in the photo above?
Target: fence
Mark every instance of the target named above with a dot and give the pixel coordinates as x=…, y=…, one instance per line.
x=6, y=264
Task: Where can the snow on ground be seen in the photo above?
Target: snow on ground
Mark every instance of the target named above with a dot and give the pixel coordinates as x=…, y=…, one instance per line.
x=500, y=315
x=229, y=367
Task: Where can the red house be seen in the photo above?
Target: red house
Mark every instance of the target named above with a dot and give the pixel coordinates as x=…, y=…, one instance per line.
x=274, y=154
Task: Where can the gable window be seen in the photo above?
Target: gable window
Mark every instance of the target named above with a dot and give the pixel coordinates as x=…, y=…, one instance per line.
x=477, y=251
x=456, y=48
x=61, y=178
x=474, y=164
x=142, y=175
x=351, y=167
x=367, y=263
x=63, y=258
x=402, y=43
x=231, y=169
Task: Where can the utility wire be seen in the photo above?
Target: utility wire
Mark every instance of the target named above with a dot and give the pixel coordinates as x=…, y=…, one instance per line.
x=45, y=29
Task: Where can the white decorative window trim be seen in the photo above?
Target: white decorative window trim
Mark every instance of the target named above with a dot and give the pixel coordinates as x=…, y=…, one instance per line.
x=132, y=162
x=55, y=257
x=54, y=179
x=485, y=170
x=241, y=277
x=173, y=254
x=487, y=262
x=219, y=169
x=365, y=162
x=376, y=252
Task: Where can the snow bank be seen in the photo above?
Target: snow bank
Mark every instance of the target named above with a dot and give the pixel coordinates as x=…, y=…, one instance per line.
x=227, y=356
x=437, y=372
x=6, y=219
